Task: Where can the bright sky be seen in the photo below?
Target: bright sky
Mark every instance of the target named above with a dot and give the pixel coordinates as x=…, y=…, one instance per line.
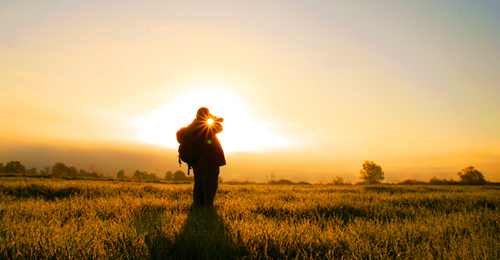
x=308, y=89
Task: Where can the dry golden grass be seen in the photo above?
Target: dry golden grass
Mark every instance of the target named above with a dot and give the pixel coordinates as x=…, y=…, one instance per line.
x=63, y=219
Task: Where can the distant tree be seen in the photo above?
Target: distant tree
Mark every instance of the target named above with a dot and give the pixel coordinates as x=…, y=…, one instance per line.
x=93, y=171
x=371, y=172
x=434, y=180
x=219, y=180
x=59, y=169
x=71, y=171
x=338, y=180
x=120, y=174
x=169, y=176
x=139, y=175
x=179, y=176
x=2, y=168
x=33, y=170
x=471, y=175
x=15, y=167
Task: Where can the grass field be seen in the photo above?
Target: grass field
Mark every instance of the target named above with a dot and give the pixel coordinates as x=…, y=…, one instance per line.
x=60, y=219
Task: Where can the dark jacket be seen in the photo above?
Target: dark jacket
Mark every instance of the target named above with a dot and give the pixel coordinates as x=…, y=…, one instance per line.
x=208, y=143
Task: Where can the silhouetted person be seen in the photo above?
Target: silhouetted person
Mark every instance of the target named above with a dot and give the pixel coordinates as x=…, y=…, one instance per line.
x=208, y=156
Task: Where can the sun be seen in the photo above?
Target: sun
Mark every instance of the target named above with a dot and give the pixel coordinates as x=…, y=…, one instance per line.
x=210, y=121
x=241, y=131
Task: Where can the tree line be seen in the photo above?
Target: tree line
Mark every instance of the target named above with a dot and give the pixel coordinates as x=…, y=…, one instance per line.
x=370, y=173
x=60, y=169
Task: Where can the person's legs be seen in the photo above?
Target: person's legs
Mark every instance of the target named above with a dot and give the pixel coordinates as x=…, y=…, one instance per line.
x=206, y=182
x=210, y=183
x=198, y=185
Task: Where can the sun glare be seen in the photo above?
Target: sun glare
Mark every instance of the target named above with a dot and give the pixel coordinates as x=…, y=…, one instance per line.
x=241, y=131
x=210, y=121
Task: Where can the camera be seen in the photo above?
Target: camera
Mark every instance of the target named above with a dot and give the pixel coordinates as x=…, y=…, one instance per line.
x=218, y=119
x=213, y=119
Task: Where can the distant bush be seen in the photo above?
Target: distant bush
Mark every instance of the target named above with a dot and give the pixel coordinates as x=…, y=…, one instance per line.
x=121, y=174
x=338, y=181
x=280, y=181
x=181, y=176
x=411, y=182
x=436, y=181
x=169, y=176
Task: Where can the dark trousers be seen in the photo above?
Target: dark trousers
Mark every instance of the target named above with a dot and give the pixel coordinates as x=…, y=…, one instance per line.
x=206, y=177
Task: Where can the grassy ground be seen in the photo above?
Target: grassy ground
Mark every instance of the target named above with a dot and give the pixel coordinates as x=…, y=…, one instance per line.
x=61, y=219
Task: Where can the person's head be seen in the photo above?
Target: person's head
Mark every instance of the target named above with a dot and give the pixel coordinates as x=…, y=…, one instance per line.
x=203, y=113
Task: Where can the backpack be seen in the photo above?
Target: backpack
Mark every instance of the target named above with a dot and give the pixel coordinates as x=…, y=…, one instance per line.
x=189, y=147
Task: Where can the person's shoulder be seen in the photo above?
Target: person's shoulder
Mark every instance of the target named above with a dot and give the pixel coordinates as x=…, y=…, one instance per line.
x=196, y=125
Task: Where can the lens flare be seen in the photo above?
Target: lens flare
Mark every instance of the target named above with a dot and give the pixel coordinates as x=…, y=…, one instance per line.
x=210, y=121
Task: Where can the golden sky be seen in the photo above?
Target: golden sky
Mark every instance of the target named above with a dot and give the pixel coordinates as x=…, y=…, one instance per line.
x=309, y=89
